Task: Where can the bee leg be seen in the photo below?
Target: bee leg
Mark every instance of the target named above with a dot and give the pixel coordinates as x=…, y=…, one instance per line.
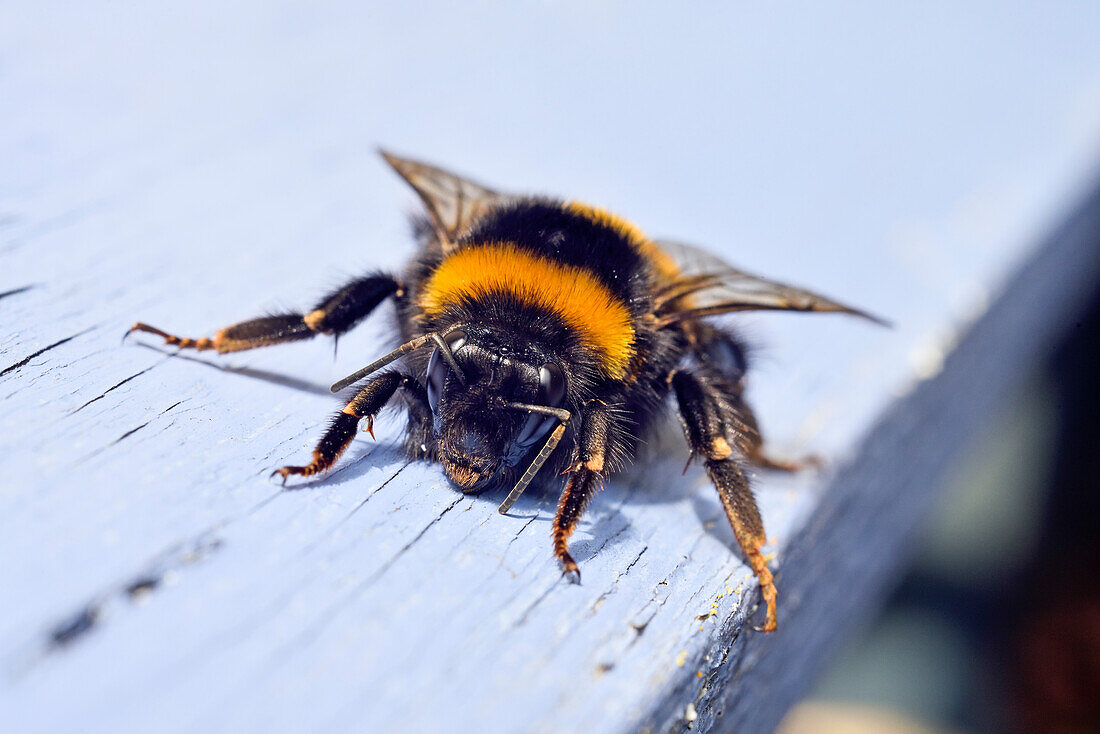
x=722, y=355
x=366, y=404
x=335, y=314
x=752, y=443
x=720, y=352
x=420, y=435
x=705, y=415
x=748, y=528
x=758, y=457
x=586, y=475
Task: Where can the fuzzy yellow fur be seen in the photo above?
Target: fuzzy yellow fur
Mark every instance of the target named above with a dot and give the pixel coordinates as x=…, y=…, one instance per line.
x=480, y=272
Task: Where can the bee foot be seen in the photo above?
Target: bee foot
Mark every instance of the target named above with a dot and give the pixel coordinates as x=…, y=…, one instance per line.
x=570, y=570
x=287, y=471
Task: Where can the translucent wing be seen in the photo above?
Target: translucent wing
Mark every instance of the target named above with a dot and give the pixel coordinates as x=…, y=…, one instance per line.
x=452, y=202
x=708, y=286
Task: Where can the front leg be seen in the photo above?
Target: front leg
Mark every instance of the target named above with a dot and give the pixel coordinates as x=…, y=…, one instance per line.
x=366, y=404
x=587, y=472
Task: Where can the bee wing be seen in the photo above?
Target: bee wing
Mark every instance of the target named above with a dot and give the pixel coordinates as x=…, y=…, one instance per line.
x=452, y=202
x=716, y=287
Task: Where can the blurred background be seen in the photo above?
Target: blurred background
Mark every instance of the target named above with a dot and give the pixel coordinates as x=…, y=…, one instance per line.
x=904, y=158
x=996, y=625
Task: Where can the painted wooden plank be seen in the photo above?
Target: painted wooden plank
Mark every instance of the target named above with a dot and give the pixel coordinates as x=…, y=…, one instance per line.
x=181, y=170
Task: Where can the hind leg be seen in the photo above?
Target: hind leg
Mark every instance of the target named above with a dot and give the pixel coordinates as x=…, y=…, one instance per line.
x=723, y=358
x=753, y=446
x=705, y=418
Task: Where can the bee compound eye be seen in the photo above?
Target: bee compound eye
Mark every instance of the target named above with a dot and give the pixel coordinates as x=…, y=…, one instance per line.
x=439, y=367
x=455, y=340
x=551, y=386
x=551, y=394
x=437, y=375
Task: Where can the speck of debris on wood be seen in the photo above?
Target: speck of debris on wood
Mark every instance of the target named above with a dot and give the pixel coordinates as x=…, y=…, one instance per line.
x=76, y=626
x=140, y=590
x=137, y=591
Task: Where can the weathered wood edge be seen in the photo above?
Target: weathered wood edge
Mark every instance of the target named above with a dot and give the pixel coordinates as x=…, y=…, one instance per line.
x=845, y=560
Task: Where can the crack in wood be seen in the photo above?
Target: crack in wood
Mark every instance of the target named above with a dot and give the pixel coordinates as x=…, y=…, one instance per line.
x=614, y=584
x=377, y=489
x=311, y=632
x=76, y=626
x=515, y=537
x=280, y=603
x=614, y=513
x=473, y=529
x=136, y=589
x=115, y=387
x=132, y=431
x=661, y=591
x=128, y=433
x=313, y=544
x=405, y=548
x=17, y=291
x=43, y=350
x=541, y=597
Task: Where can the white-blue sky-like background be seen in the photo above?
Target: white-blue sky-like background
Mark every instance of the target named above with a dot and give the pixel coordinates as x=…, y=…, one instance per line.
x=787, y=130
x=847, y=146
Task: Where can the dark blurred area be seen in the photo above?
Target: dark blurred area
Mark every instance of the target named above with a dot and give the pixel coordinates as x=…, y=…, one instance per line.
x=1048, y=637
x=996, y=626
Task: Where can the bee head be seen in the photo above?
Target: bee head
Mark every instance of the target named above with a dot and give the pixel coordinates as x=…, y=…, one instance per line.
x=471, y=384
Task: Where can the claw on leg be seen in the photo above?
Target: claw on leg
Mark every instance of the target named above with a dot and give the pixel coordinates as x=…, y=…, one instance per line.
x=201, y=345
x=285, y=472
x=569, y=568
x=578, y=490
x=758, y=457
x=767, y=588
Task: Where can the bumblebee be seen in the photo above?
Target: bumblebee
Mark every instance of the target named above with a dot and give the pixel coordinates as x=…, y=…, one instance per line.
x=547, y=334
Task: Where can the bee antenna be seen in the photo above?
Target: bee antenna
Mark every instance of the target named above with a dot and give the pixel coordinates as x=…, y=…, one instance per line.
x=563, y=417
x=445, y=350
x=409, y=346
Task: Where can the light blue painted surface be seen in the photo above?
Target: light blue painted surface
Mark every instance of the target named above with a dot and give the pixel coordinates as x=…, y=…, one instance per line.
x=192, y=168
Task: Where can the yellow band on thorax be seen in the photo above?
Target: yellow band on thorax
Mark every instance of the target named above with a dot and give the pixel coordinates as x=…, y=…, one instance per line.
x=480, y=272
x=664, y=265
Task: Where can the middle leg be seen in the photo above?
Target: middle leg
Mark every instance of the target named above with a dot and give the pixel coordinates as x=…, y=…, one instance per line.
x=334, y=315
